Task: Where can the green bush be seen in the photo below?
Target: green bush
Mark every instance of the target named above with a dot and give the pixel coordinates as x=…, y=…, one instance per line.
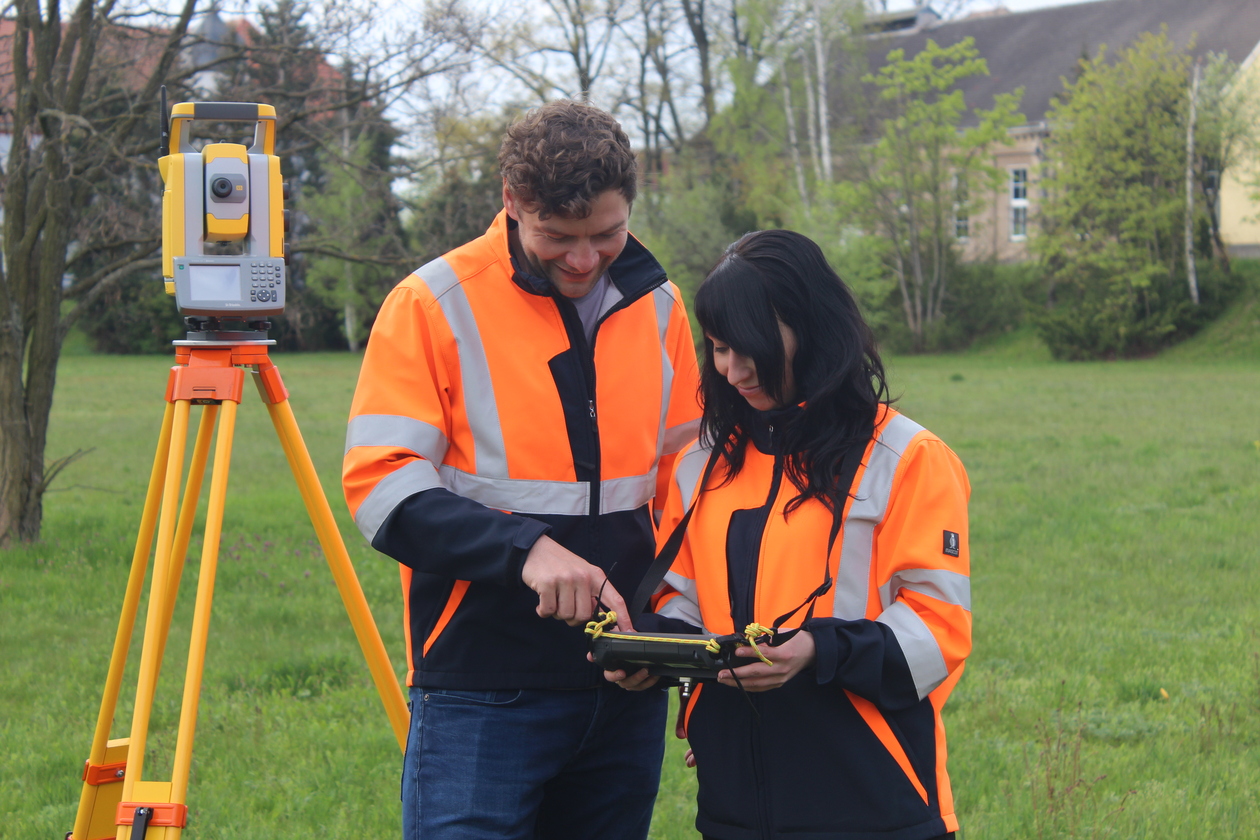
x=984, y=299
x=1108, y=318
x=981, y=300
x=137, y=316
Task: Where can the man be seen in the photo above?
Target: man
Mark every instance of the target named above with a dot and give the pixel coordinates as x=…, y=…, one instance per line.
x=521, y=401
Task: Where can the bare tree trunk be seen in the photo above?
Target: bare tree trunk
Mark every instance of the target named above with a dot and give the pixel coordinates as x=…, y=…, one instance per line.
x=790, y=115
x=940, y=245
x=1192, y=277
x=55, y=160
x=656, y=41
x=824, y=120
x=916, y=270
x=811, y=111
x=349, y=312
x=907, y=299
x=646, y=114
x=694, y=12
x=586, y=41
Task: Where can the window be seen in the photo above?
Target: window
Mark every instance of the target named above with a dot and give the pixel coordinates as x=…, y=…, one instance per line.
x=1019, y=205
x=962, y=221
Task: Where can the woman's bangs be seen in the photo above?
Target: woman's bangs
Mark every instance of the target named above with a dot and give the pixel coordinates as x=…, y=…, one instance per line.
x=732, y=305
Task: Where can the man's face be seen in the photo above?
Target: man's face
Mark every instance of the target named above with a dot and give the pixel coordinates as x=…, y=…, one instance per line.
x=572, y=253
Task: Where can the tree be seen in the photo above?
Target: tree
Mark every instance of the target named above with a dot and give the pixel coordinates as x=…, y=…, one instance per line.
x=582, y=33
x=698, y=24
x=81, y=189
x=651, y=91
x=1111, y=227
x=1227, y=135
x=906, y=183
x=83, y=116
x=332, y=70
x=355, y=286
x=454, y=200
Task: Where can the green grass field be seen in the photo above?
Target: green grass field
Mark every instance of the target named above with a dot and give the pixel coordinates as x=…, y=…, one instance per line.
x=1114, y=691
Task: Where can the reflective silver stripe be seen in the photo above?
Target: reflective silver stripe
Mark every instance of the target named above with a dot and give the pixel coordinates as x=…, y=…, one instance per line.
x=520, y=495
x=664, y=300
x=390, y=492
x=682, y=607
x=681, y=435
x=923, y=654
x=686, y=606
x=629, y=493
x=690, y=468
x=686, y=586
x=941, y=584
x=865, y=513
x=397, y=431
x=479, y=403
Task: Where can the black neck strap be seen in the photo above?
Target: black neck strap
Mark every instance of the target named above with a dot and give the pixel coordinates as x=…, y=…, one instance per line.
x=665, y=558
x=848, y=471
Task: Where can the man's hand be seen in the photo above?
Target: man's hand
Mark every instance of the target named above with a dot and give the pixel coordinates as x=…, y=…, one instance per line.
x=637, y=681
x=568, y=587
x=789, y=659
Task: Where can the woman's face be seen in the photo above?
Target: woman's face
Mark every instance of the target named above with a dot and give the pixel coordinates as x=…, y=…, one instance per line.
x=741, y=372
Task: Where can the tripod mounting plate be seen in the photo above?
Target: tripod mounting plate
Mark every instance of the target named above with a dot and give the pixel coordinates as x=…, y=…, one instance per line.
x=224, y=339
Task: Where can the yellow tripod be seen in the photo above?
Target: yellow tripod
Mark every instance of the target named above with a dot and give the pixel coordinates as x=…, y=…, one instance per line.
x=116, y=801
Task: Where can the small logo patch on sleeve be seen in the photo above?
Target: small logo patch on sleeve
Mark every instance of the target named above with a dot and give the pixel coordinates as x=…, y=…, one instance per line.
x=950, y=544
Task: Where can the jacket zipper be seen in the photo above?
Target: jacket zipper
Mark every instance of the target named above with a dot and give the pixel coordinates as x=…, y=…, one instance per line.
x=598, y=483
x=586, y=356
x=573, y=327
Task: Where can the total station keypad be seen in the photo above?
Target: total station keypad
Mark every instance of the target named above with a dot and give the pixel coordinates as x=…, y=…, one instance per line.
x=263, y=280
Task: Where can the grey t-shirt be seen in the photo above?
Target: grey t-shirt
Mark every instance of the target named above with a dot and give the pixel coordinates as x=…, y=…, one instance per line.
x=591, y=305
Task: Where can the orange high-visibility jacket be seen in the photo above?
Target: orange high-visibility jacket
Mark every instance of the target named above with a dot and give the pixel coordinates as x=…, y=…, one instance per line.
x=853, y=747
x=482, y=420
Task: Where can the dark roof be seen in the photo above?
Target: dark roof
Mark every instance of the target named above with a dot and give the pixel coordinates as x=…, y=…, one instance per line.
x=901, y=21
x=1038, y=49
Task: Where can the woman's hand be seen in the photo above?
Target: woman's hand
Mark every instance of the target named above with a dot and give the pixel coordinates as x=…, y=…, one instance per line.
x=789, y=659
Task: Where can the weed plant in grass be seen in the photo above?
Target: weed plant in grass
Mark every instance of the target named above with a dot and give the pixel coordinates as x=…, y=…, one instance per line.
x=1114, y=691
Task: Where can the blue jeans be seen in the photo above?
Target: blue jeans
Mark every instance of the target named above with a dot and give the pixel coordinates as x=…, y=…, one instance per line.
x=533, y=763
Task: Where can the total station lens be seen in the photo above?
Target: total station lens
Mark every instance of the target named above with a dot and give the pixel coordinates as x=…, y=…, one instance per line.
x=221, y=187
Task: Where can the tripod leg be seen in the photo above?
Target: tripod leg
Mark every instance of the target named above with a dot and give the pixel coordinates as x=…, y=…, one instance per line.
x=342, y=569
x=201, y=613
x=187, y=515
x=95, y=774
x=150, y=663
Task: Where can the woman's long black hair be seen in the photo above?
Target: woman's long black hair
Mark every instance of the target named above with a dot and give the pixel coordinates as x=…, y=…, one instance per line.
x=779, y=275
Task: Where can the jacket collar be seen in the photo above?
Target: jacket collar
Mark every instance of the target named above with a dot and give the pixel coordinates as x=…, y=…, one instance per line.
x=635, y=272
x=766, y=428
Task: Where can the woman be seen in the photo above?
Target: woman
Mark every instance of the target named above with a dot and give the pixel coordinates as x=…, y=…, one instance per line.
x=858, y=563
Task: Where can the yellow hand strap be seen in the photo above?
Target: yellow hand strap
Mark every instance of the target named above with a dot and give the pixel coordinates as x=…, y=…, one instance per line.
x=751, y=633
x=595, y=629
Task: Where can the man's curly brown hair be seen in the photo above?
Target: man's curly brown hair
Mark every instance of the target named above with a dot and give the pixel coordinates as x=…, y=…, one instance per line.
x=559, y=158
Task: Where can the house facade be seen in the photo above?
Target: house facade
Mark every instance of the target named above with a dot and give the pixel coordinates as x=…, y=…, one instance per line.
x=1037, y=50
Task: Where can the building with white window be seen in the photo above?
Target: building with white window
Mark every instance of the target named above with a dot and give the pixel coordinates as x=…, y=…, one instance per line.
x=1036, y=50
